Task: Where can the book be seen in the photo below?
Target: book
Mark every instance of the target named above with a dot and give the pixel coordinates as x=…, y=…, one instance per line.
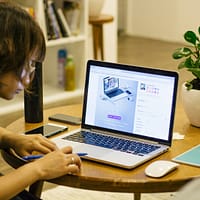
x=59, y=20
x=53, y=21
x=49, y=27
x=64, y=21
x=190, y=157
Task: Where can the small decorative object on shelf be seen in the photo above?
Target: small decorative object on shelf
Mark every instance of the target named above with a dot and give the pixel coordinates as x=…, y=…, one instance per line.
x=95, y=7
x=71, y=9
x=33, y=98
x=30, y=10
x=70, y=74
x=62, y=58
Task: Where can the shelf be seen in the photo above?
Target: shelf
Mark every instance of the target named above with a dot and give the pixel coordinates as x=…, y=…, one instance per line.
x=67, y=40
x=53, y=96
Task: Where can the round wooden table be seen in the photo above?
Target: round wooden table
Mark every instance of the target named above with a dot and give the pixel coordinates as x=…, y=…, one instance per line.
x=100, y=177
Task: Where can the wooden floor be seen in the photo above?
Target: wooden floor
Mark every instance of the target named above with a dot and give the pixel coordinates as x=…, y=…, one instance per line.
x=134, y=51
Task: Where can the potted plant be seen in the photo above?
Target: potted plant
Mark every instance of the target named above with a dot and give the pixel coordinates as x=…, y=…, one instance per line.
x=190, y=60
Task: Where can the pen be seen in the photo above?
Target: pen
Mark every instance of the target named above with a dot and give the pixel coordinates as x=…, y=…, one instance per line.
x=32, y=157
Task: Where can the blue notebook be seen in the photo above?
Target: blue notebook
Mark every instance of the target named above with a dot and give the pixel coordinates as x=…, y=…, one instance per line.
x=190, y=157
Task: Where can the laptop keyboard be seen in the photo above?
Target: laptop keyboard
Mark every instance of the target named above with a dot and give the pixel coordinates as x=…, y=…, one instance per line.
x=124, y=145
x=115, y=93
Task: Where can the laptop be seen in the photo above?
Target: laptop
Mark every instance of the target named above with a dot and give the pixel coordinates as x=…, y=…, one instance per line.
x=112, y=90
x=128, y=132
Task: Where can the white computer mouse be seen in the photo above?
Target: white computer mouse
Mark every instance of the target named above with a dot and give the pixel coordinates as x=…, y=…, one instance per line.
x=160, y=168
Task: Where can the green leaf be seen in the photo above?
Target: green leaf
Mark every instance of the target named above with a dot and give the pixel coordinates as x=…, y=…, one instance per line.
x=181, y=52
x=198, y=46
x=189, y=63
x=195, y=72
x=191, y=55
x=190, y=37
x=181, y=65
x=197, y=63
x=188, y=85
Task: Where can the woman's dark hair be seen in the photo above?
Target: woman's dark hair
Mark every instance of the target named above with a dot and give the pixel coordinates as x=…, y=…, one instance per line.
x=20, y=38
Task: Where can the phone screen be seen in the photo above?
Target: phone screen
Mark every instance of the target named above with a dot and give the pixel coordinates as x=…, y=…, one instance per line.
x=47, y=130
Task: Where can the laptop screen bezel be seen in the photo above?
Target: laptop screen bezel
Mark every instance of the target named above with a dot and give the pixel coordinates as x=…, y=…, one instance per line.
x=142, y=69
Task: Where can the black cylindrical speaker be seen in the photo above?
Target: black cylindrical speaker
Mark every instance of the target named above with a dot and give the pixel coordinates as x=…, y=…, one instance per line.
x=33, y=98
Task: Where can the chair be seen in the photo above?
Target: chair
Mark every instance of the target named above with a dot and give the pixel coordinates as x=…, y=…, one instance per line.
x=97, y=23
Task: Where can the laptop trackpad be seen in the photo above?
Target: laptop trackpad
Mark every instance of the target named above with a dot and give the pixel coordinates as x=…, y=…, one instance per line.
x=92, y=151
x=109, y=156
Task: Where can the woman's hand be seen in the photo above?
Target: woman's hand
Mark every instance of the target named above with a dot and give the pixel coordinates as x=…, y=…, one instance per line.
x=54, y=164
x=25, y=144
x=57, y=163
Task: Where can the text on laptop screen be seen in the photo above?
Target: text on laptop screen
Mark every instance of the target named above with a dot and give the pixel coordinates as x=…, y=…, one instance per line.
x=130, y=101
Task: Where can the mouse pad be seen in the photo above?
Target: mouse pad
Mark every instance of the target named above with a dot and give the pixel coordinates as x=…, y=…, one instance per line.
x=190, y=157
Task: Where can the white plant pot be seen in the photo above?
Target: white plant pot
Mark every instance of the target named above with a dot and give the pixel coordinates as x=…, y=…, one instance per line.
x=190, y=100
x=95, y=7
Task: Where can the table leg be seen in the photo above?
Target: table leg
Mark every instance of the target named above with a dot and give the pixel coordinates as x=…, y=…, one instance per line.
x=137, y=196
x=95, y=41
x=36, y=188
x=98, y=41
x=101, y=42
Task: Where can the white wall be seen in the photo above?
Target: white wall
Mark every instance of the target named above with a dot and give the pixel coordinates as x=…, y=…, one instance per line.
x=122, y=14
x=110, y=32
x=161, y=19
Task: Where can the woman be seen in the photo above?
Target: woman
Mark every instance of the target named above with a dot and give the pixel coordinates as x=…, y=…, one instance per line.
x=21, y=44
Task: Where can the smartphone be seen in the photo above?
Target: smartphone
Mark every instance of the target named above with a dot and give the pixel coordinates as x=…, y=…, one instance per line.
x=66, y=119
x=48, y=130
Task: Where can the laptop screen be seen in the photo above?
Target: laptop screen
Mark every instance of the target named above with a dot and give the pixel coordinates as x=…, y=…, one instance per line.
x=130, y=100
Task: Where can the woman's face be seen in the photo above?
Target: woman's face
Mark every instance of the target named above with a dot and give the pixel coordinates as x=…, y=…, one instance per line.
x=10, y=84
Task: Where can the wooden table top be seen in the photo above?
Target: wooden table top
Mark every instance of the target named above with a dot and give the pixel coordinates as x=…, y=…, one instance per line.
x=101, y=19
x=96, y=176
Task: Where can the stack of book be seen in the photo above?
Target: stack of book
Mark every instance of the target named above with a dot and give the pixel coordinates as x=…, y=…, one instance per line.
x=56, y=23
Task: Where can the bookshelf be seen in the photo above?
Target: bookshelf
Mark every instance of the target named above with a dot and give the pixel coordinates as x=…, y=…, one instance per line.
x=74, y=44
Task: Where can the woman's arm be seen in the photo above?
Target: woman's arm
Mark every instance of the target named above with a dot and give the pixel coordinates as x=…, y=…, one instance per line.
x=52, y=165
